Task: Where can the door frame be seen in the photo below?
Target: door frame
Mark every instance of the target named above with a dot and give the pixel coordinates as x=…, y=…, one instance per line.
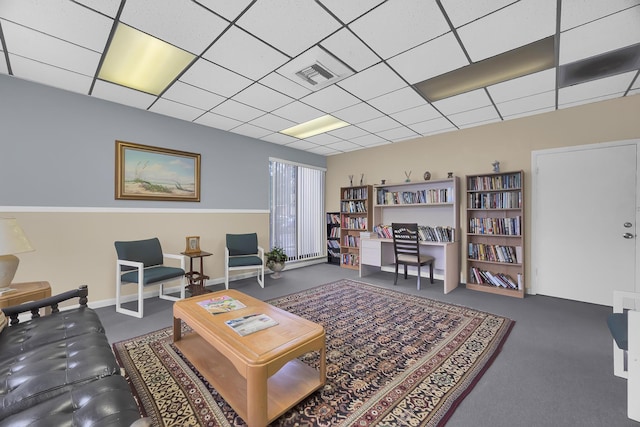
x=534, y=202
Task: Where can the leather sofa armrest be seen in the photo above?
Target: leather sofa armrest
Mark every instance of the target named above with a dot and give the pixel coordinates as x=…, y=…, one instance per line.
x=52, y=301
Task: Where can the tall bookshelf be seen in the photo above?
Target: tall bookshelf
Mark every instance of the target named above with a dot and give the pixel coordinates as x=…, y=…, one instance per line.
x=356, y=215
x=333, y=238
x=495, y=233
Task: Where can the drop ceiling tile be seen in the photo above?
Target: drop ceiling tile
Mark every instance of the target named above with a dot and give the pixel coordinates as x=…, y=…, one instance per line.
x=228, y=9
x=175, y=109
x=217, y=121
x=531, y=113
x=262, y=97
x=635, y=91
x=214, y=78
x=350, y=50
x=283, y=85
x=323, y=139
x=244, y=54
x=40, y=47
x=532, y=84
x=597, y=90
x=398, y=134
x=302, y=145
x=330, y=99
x=368, y=140
x=401, y=99
x=416, y=115
x=430, y=59
x=538, y=102
x=323, y=151
x=372, y=82
x=465, y=102
x=298, y=112
x=344, y=146
x=61, y=19
x=273, y=123
x=600, y=36
x=462, y=13
x=399, y=25
x=516, y=25
x=191, y=95
x=474, y=117
x=379, y=124
x=3, y=63
x=276, y=21
x=279, y=138
x=48, y=75
x=579, y=12
x=348, y=132
x=347, y=11
x=430, y=127
x=237, y=111
x=357, y=113
x=122, y=95
x=182, y=23
x=108, y=7
x=251, y=130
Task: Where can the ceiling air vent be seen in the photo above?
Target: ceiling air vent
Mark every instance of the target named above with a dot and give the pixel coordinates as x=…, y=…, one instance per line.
x=315, y=74
x=315, y=69
x=600, y=66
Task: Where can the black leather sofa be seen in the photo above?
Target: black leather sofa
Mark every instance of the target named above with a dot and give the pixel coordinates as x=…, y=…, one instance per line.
x=59, y=369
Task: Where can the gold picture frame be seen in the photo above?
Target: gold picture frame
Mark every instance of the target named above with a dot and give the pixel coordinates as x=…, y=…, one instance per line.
x=193, y=245
x=144, y=172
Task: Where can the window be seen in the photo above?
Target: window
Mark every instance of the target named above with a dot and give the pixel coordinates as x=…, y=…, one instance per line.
x=297, y=209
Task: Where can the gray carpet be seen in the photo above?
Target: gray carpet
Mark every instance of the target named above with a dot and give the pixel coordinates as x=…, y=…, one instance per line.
x=556, y=368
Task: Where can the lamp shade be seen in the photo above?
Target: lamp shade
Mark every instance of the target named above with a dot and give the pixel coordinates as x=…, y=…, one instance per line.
x=12, y=238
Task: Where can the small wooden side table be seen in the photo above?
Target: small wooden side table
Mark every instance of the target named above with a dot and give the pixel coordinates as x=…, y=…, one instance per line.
x=196, y=278
x=25, y=292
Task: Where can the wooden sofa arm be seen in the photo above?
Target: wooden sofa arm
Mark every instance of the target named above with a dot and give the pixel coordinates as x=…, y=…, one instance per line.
x=52, y=301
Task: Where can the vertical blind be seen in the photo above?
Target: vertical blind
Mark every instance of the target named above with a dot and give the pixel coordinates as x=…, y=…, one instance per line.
x=297, y=210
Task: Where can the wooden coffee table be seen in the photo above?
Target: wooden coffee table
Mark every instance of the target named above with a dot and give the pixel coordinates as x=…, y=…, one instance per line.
x=259, y=374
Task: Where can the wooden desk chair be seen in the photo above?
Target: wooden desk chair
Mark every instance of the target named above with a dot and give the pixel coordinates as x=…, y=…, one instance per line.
x=406, y=247
x=243, y=253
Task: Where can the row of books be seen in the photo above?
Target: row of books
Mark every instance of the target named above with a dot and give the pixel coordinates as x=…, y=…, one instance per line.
x=350, y=259
x=440, y=195
x=496, y=182
x=504, y=200
x=353, y=207
x=354, y=223
x=495, y=253
x=355, y=193
x=333, y=218
x=333, y=244
x=351, y=241
x=334, y=232
x=426, y=233
x=496, y=226
x=333, y=253
x=499, y=280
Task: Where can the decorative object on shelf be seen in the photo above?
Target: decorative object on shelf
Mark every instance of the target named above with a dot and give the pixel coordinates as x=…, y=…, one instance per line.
x=193, y=244
x=408, y=175
x=12, y=241
x=449, y=174
x=427, y=176
x=382, y=181
x=274, y=260
x=362, y=179
x=496, y=166
x=350, y=180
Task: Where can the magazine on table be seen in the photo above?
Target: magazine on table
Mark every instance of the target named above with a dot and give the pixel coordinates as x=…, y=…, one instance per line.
x=221, y=304
x=252, y=323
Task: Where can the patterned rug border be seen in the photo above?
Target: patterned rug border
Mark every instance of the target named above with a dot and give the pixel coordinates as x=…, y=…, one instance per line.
x=356, y=417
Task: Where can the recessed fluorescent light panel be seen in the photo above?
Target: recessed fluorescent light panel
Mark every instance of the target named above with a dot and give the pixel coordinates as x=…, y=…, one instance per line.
x=139, y=61
x=314, y=127
x=528, y=59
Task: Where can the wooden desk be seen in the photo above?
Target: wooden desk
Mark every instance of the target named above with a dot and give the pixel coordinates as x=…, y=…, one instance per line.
x=259, y=375
x=377, y=254
x=25, y=292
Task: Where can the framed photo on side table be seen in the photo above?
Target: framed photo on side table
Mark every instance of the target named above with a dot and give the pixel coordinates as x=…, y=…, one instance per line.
x=193, y=244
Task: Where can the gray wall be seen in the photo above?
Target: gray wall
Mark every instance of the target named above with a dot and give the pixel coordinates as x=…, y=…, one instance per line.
x=58, y=150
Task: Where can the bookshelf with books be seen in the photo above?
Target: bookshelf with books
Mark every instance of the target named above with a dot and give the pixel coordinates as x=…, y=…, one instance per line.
x=495, y=233
x=355, y=217
x=333, y=238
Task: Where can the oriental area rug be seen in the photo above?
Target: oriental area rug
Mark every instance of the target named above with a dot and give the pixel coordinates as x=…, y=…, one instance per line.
x=392, y=359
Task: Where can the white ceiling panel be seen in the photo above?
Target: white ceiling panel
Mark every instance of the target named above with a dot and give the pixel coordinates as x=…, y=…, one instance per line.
x=323, y=151
x=107, y=7
x=284, y=85
x=400, y=25
x=379, y=124
x=416, y=115
x=262, y=97
x=323, y=139
x=245, y=54
x=401, y=99
x=215, y=79
x=579, y=12
x=330, y=99
x=462, y=13
x=599, y=90
x=516, y=25
x=194, y=96
x=465, y=102
x=431, y=59
x=62, y=19
x=372, y=82
x=347, y=11
x=217, y=121
x=278, y=138
x=473, y=117
x=273, y=123
x=601, y=36
x=350, y=50
x=175, y=109
x=358, y=113
x=251, y=130
x=348, y=132
x=302, y=145
x=236, y=110
x=49, y=75
x=369, y=140
x=182, y=23
x=344, y=146
x=122, y=95
x=532, y=84
x=3, y=63
x=430, y=127
x=275, y=21
x=227, y=9
x=531, y=113
x=298, y=112
x=538, y=102
x=398, y=134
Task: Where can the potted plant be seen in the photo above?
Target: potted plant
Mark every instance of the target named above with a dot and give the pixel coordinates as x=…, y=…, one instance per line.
x=275, y=259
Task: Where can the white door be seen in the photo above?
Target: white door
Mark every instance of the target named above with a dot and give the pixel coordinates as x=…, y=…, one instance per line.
x=584, y=221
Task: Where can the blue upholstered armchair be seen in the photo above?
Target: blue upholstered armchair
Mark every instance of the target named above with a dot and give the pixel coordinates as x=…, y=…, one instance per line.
x=243, y=253
x=141, y=262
